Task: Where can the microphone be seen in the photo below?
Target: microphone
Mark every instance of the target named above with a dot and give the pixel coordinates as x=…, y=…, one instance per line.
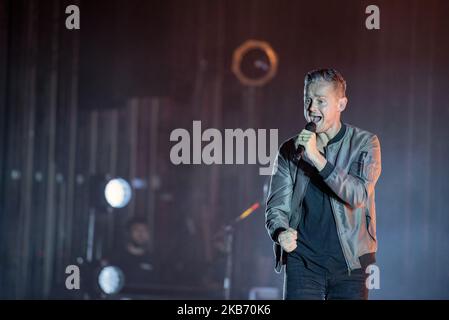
x=311, y=126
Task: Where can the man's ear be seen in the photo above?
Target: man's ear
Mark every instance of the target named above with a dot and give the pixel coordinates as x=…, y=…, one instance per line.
x=342, y=102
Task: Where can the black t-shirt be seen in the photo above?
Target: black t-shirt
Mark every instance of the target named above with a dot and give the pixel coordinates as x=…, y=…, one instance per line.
x=318, y=243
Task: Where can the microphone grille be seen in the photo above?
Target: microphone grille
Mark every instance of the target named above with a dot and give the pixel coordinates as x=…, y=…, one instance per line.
x=311, y=126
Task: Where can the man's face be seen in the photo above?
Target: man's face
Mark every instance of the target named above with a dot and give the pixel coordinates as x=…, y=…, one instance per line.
x=323, y=105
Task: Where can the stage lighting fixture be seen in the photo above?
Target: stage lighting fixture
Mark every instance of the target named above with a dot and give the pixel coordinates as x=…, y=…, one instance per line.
x=118, y=193
x=255, y=63
x=111, y=280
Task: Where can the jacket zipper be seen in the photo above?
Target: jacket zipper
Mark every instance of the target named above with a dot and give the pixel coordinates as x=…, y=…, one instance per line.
x=339, y=237
x=300, y=203
x=302, y=196
x=338, y=231
x=301, y=200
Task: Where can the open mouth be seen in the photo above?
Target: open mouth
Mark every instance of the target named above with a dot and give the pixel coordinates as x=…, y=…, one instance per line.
x=316, y=119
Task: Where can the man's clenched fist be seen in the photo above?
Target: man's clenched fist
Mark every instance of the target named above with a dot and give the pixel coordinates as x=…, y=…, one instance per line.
x=287, y=239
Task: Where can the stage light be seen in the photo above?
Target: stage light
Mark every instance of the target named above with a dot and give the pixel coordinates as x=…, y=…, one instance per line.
x=111, y=280
x=118, y=193
x=255, y=63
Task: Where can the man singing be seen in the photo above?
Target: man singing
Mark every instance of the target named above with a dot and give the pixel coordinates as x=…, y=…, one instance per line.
x=320, y=208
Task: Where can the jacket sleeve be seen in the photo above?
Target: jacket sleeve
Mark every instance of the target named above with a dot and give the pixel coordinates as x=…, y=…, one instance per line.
x=278, y=204
x=354, y=188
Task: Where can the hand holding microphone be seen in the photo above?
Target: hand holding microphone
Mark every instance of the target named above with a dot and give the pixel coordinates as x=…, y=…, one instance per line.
x=307, y=143
x=306, y=135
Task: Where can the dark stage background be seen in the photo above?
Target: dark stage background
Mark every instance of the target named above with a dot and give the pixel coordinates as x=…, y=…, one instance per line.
x=104, y=100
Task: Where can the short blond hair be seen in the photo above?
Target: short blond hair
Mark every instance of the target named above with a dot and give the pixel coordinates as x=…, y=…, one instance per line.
x=328, y=75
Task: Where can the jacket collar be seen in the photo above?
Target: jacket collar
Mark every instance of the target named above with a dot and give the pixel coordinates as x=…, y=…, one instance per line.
x=339, y=135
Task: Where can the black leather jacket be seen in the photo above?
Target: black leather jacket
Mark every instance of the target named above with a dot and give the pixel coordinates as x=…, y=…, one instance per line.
x=357, y=166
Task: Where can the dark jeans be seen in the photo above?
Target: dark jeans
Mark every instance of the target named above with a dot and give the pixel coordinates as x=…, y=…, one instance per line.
x=301, y=283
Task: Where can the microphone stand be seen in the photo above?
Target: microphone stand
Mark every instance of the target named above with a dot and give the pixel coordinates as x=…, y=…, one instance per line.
x=229, y=240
